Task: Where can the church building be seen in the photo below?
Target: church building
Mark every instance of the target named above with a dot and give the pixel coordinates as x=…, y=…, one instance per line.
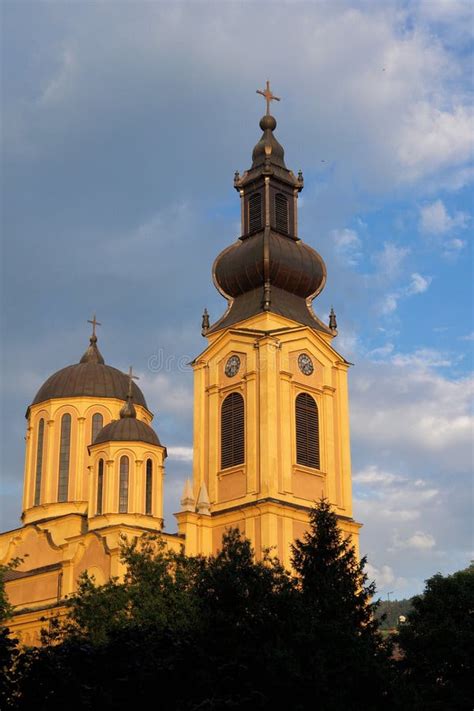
x=271, y=421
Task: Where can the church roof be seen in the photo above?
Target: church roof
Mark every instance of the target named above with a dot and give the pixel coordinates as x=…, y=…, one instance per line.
x=127, y=429
x=91, y=377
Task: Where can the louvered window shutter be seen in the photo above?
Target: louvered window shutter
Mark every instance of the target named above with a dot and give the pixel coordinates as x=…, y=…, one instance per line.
x=255, y=212
x=307, y=431
x=281, y=213
x=232, y=431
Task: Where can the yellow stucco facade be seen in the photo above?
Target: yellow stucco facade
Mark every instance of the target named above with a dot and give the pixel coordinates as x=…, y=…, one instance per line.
x=95, y=468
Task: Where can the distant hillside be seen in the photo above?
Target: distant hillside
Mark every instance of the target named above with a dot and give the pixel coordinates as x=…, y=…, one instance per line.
x=392, y=609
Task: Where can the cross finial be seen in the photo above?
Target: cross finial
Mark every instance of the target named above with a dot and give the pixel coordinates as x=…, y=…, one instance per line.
x=131, y=377
x=268, y=96
x=94, y=323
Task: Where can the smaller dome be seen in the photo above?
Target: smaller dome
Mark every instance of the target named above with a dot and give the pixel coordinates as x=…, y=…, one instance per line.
x=127, y=429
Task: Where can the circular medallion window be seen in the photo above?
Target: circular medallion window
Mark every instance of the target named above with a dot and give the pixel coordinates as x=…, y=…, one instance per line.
x=232, y=366
x=305, y=364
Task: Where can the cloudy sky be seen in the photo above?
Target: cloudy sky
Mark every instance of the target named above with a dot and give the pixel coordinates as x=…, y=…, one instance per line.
x=123, y=123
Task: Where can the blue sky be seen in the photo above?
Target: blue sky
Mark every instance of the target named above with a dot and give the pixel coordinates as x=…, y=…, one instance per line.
x=123, y=123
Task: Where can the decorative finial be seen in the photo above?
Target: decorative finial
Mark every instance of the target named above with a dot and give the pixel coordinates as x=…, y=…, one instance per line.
x=203, y=505
x=128, y=410
x=300, y=178
x=267, y=94
x=205, y=323
x=332, y=321
x=188, y=502
x=94, y=323
x=92, y=354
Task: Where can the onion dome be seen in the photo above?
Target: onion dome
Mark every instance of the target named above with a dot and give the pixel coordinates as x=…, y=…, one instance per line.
x=128, y=428
x=269, y=268
x=91, y=377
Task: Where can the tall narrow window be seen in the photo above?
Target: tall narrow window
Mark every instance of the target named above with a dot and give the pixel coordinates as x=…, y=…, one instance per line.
x=123, y=490
x=100, y=487
x=64, y=452
x=148, y=486
x=281, y=213
x=97, y=424
x=232, y=431
x=255, y=212
x=307, y=431
x=39, y=462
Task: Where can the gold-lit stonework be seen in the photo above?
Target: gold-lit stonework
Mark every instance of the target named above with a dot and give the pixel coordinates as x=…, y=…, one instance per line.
x=271, y=421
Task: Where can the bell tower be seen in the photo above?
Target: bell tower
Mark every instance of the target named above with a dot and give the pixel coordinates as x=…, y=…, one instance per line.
x=271, y=416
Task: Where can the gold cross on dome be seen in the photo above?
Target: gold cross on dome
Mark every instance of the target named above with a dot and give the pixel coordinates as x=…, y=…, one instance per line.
x=268, y=96
x=94, y=323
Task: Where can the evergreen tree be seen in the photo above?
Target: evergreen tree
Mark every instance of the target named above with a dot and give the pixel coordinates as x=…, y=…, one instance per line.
x=344, y=659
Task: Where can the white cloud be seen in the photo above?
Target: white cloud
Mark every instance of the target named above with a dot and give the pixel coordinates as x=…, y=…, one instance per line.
x=381, y=353
x=419, y=541
x=409, y=117
x=432, y=139
x=422, y=359
x=348, y=245
x=389, y=261
x=435, y=219
x=171, y=392
x=417, y=285
x=468, y=337
x=403, y=407
x=452, y=247
x=371, y=475
x=385, y=577
x=183, y=454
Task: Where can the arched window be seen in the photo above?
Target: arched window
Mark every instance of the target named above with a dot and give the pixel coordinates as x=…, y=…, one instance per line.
x=100, y=486
x=148, y=486
x=232, y=431
x=307, y=431
x=39, y=462
x=123, y=489
x=281, y=213
x=97, y=424
x=64, y=453
x=255, y=212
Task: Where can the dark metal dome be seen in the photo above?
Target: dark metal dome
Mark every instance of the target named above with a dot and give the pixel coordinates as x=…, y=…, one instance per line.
x=292, y=265
x=127, y=429
x=89, y=378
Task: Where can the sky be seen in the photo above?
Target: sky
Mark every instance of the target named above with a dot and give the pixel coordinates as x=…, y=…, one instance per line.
x=123, y=124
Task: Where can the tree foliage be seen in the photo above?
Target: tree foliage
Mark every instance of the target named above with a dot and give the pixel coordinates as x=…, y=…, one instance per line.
x=438, y=642
x=220, y=632
x=9, y=651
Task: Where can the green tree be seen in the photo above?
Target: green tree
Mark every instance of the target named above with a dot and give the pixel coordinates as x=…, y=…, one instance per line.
x=344, y=659
x=223, y=632
x=437, y=644
x=8, y=645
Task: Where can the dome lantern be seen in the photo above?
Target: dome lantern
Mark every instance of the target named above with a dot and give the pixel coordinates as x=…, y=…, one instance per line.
x=269, y=268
